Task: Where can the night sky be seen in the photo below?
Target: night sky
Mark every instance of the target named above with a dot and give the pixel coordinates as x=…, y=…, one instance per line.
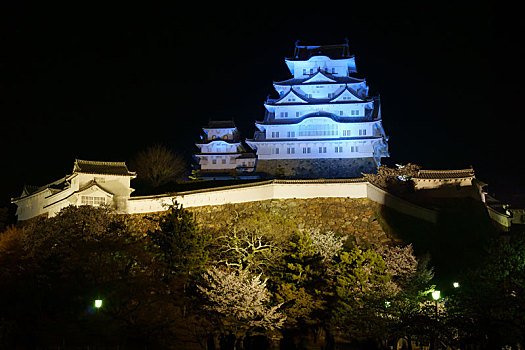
x=102, y=82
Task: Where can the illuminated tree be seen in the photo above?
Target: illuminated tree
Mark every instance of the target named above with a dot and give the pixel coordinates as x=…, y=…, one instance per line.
x=240, y=302
x=326, y=244
x=362, y=286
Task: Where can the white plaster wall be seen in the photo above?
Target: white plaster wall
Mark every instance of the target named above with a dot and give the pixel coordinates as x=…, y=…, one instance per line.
x=420, y=184
x=118, y=185
x=342, y=129
x=266, y=150
x=207, y=164
x=242, y=194
x=334, y=108
x=274, y=189
x=223, y=133
x=380, y=196
x=341, y=66
x=500, y=218
x=31, y=206
x=57, y=197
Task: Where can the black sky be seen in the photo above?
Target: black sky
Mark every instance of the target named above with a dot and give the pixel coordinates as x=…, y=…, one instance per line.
x=98, y=81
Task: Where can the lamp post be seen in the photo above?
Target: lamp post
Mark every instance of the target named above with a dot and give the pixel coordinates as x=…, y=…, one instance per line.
x=436, y=294
x=98, y=303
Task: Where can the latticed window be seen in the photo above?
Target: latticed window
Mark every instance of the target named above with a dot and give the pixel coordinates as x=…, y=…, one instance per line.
x=318, y=130
x=90, y=200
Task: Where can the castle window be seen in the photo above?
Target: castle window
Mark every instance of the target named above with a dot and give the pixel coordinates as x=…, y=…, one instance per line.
x=290, y=150
x=338, y=149
x=318, y=130
x=90, y=200
x=276, y=150
x=297, y=114
x=322, y=149
x=362, y=132
x=346, y=132
x=223, y=161
x=214, y=161
x=307, y=150
x=275, y=134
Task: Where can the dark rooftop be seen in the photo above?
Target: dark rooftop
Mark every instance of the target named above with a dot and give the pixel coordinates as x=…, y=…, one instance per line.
x=445, y=174
x=304, y=52
x=106, y=168
x=220, y=124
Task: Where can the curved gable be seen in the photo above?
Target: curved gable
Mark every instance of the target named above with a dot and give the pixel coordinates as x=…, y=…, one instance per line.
x=318, y=120
x=319, y=77
x=93, y=187
x=291, y=97
x=347, y=95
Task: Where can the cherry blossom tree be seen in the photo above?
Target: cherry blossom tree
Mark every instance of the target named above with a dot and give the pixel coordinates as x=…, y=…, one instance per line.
x=240, y=302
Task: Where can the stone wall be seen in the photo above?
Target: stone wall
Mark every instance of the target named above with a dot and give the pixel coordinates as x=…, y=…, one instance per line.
x=317, y=168
x=355, y=217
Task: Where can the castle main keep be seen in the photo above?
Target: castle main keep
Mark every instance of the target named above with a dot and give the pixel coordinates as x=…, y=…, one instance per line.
x=324, y=123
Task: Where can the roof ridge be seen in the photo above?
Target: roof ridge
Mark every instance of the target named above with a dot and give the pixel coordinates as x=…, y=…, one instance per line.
x=446, y=170
x=99, y=162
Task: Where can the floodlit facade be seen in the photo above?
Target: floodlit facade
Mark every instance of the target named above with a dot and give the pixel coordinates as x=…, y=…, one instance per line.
x=221, y=150
x=324, y=123
x=91, y=183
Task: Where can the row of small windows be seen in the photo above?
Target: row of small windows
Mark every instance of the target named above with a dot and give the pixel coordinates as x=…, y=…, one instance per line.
x=353, y=112
x=317, y=131
x=306, y=150
x=223, y=137
x=328, y=70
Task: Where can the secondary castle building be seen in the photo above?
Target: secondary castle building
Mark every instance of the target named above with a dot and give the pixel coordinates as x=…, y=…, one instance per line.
x=90, y=183
x=222, y=151
x=324, y=123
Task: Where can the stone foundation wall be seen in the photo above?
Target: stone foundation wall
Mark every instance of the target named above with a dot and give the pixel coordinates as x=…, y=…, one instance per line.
x=317, y=168
x=354, y=217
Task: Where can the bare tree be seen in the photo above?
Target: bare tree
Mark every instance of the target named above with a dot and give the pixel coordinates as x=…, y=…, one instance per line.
x=158, y=165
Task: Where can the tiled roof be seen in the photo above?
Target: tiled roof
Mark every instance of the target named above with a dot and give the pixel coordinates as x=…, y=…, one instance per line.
x=445, y=174
x=54, y=186
x=303, y=52
x=338, y=80
x=106, y=168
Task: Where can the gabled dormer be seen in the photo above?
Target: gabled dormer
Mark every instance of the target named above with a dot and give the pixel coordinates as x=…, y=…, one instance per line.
x=291, y=96
x=347, y=95
x=320, y=77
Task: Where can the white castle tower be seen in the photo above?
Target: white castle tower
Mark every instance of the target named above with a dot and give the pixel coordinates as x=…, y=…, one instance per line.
x=221, y=150
x=323, y=124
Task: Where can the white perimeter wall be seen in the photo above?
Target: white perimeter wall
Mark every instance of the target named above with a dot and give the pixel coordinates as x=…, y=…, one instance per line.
x=249, y=193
